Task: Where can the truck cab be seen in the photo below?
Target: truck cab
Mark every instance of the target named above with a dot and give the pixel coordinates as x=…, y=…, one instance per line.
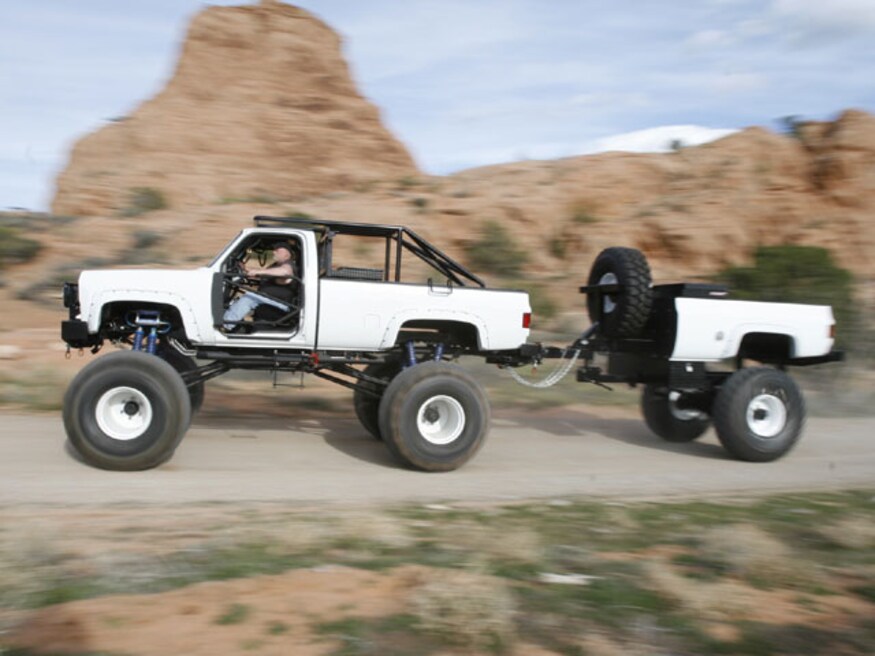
x=350, y=293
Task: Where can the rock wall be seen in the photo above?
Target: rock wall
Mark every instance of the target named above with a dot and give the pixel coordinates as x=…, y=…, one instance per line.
x=261, y=105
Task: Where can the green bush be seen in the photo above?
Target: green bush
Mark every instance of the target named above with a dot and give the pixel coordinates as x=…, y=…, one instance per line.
x=142, y=200
x=496, y=252
x=795, y=274
x=14, y=248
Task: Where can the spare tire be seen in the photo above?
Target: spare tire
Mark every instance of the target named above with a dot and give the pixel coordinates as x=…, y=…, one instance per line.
x=624, y=313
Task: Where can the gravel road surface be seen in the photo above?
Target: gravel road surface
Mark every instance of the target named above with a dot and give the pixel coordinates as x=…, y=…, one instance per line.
x=563, y=452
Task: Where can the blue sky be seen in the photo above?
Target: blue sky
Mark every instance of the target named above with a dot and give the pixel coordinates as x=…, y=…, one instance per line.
x=461, y=82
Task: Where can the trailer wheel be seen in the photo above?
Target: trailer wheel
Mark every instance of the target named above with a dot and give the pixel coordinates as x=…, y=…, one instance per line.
x=182, y=364
x=663, y=416
x=434, y=416
x=126, y=411
x=759, y=414
x=367, y=406
x=622, y=314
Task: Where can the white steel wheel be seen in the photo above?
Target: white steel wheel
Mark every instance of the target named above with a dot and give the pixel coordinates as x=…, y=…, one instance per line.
x=682, y=414
x=126, y=411
x=759, y=413
x=123, y=413
x=665, y=415
x=766, y=415
x=434, y=416
x=441, y=419
x=608, y=303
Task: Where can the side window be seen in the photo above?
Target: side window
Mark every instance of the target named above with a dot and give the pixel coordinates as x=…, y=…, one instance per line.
x=372, y=258
x=353, y=257
x=257, y=250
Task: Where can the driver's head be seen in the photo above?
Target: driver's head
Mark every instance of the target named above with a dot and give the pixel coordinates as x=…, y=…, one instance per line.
x=282, y=251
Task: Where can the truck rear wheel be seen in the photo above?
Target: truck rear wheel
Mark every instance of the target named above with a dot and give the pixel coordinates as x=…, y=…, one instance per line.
x=759, y=414
x=625, y=313
x=434, y=416
x=126, y=411
x=366, y=404
x=659, y=405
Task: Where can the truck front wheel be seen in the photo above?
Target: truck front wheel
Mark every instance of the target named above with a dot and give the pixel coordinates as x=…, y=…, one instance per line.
x=667, y=418
x=126, y=411
x=759, y=414
x=434, y=416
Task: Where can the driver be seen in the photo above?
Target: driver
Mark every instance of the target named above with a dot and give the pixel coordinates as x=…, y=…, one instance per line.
x=276, y=282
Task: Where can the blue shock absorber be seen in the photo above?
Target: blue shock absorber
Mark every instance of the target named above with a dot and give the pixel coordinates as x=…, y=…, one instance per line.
x=411, y=353
x=152, y=340
x=139, y=333
x=438, y=351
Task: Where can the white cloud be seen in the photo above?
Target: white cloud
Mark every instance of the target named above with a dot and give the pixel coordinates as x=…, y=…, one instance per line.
x=812, y=22
x=736, y=83
x=710, y=39
x=659, y=139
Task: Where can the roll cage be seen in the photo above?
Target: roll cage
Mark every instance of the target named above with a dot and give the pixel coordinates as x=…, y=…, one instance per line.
x=397, y=238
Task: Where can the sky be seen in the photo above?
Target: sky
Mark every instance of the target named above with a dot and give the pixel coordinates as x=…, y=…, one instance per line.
x=462, y=83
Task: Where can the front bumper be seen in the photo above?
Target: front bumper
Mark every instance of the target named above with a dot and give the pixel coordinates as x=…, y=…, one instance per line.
x=75, y=333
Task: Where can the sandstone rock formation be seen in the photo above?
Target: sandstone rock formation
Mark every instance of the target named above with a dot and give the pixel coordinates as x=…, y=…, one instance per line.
x=692, y=212
x=261, y=105
x=261, y=116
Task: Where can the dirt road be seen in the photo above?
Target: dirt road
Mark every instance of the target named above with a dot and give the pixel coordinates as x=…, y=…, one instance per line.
x=331, y=460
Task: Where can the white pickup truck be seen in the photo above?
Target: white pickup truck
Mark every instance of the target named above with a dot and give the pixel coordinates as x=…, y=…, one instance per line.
x=352, y=314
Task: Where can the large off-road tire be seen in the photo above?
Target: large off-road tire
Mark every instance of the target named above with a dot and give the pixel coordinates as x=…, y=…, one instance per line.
x=126, y=411
x=759, y=414
x=434, y=416
x=663, y=416
x=182, y=364
x=623, y=314
x=367, y=406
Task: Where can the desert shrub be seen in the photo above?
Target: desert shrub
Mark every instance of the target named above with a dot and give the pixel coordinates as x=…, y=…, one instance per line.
x=584, y=213
x=544, y=306
x=297, y=214
x=496, y=252
x=558, y=246
x=14, y=248
x=407, y=182
x=144, y=199
x=796, y=274
x=467, y=609
x=146, y=239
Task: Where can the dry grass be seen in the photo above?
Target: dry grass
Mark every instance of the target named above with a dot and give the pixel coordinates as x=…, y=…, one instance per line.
x=466, y=608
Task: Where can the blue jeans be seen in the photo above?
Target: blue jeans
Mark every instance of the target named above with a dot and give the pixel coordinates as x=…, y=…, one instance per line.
x=246, y=304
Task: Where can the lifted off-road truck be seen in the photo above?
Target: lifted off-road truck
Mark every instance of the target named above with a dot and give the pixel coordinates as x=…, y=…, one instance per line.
x=391, y=333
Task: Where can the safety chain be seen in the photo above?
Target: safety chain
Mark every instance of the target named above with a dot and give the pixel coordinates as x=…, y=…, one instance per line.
x=558, y=374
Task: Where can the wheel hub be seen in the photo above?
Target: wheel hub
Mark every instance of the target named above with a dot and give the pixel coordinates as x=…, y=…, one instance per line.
x=682, y=414
x=441, y=419
x=123, y=413
x=766, y=415
x=608, y=302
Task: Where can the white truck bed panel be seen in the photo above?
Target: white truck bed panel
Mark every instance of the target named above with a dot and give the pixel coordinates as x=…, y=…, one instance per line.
x=356, y=314
x=711, y=330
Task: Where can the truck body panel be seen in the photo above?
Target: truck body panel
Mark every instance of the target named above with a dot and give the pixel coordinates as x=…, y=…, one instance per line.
x=713, y=329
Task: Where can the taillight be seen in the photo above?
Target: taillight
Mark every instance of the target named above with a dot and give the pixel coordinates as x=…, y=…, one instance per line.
x=527, y=319
x=832, y=331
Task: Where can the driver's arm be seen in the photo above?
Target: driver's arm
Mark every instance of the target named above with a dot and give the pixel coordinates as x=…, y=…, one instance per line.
x=279, y=271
